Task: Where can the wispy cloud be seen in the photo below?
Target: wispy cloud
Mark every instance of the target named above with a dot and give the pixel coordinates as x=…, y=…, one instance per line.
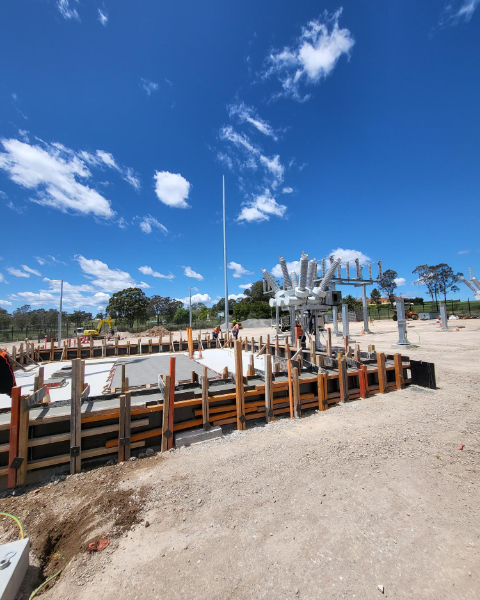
x=463, y=252
x=254, y=156
x=172, y=189
x=149, y=271
x=2, y=278
x=248, y=114
x=239, y=269
x=312, y=58
x=148, y=223
x=348, y=255
x=261, y=208
x=103, y=277
x=287, y=190
x=148, y=86
x=245, y=286
x=17, y=272
x=189, y=272
x=66, y=11
x=103, y=17
x=31, y=271
x=458, y=11
x=5, y=303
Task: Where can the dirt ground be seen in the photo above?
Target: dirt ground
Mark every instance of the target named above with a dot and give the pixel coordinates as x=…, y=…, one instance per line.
x=370, y=496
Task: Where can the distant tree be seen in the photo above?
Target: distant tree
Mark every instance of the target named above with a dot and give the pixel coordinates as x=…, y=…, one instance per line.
x=375, y=296
x=353, y=303
x=21, y=316
x=129, y=304
x=255, y=293
x=99, y=316
x=5, y=319
x=387, y=284
x=447, y=279
x=427, y=276
x=181, y=316
x=80, y=317
x=163, y=307
x=417, y=300
x=202, y=313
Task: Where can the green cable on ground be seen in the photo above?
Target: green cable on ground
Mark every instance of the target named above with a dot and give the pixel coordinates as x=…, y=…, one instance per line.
x=17, y=521
x=34, y=593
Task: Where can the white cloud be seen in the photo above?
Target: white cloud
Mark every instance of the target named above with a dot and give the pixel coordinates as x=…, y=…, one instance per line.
x=172, y=189
x=195, y=298
x=53, y=172
x=349, y=255
x=247, y=114
x=148, y=86
x=189, y=272
x=400, y=281
x=236, y=297
x=275, y=167
x=103, y=17
x=294, y=265
x=287, y=190
x=65, y=10
x=149, y=271
x=314, y=56
x=41, y=261
x=101, y=276
x=261, y=208
x=245, y=286
x=254, y=155
x=108, y=159
x=239, y=270
x=32, y=271
x=463, y=252
x=130, y=176
x=2, y=278
x=148, y=222
x=225, y=160
x=5, y=303
x=458, y=10
x=17, y=272
x=73, y=296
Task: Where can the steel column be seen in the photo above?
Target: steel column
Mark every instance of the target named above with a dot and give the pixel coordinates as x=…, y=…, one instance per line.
x=345, y=320
x=365, y=309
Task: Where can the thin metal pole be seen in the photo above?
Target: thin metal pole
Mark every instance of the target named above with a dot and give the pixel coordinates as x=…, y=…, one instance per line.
x=365, y=309
x=225, y=258
x=60, y=315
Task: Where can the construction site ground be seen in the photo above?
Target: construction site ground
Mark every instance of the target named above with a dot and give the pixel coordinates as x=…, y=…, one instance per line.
x=374, y=498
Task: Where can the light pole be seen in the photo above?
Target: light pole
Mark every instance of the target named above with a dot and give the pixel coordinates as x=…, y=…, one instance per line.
x=60, y=313
x=225, y=259
x=190, y=292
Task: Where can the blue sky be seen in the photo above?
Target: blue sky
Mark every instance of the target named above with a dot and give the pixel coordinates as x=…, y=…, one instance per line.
x=347, y=127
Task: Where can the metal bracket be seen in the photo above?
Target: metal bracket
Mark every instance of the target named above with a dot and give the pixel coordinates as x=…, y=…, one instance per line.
x=16, y=463
x=168, y=434
x=242, y=419
x=270, y=412
x=5, y=560
x=75, y=451
x=123, y=441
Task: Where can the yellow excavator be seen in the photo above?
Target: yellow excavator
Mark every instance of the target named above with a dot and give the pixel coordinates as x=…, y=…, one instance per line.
x=97, y=333
x=409, y=313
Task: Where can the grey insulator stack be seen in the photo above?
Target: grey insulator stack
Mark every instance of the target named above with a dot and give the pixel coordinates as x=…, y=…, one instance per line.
x=294, y=280
x=330, y=274
x=359, y=268
x=323, y=267
x=370, y=272
x=380, y=271
x=339, y=273
x=303, y=272
x=311, y=273
x=286, y=277
x=347, y=269
x=270, y=280
x=467, y=283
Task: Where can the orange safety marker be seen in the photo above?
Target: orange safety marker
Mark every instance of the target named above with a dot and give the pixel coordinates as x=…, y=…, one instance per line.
x=47, y=399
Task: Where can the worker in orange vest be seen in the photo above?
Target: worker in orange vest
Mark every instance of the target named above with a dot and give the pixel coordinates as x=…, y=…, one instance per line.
x=298, y=332
x=216, y=333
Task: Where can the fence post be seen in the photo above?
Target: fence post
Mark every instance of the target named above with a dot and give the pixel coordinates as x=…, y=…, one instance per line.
x=296, y=393
x=166, y=433
x=172, y=400
x=267, y=361
x=205, y=405
x=240, y=399
x=76, y=417
x=13, y=439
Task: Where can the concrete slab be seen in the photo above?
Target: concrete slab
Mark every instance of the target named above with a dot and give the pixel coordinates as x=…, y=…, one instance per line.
x=146, y=369
x=13, y=566
x=186, y=438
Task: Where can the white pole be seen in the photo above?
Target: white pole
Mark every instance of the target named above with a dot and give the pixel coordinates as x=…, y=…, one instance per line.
x=60, y=316
x=225, y=259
